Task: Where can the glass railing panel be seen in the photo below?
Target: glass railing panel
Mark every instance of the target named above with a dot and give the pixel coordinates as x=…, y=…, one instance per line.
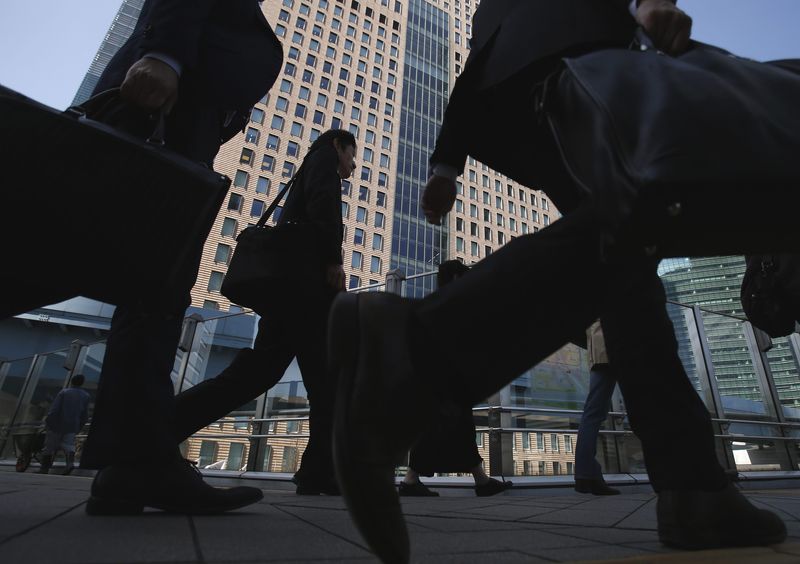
x=224, y=445
x=47, y=379
x=690, y=350
x=561, y=381
x=283, y=447
x=734, y=368
x=13, y=377
x=784, y=368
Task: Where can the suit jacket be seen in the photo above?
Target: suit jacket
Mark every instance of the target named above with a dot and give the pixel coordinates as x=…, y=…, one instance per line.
x=228, y=53
x=316, y=198
x=515, y=44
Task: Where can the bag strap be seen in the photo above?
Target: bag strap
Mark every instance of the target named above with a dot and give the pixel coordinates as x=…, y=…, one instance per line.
x=262, y=221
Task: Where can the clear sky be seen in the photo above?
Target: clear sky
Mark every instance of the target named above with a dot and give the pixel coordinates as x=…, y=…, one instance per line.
x=46, y=45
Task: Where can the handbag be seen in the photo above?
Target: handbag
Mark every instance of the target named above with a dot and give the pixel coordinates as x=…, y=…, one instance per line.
x=94, y=211
x=271, y=261
x=672, y=150
x=770, y=293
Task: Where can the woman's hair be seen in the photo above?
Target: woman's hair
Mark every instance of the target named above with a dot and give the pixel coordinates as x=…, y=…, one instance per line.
x=326, y=139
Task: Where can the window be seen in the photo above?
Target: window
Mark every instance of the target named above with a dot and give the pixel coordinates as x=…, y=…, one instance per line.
x=235, y=202
x=361, y=214
x=257, y=208
x=556, y=468
x=542, y=468
x=345, y=210
x=262, y=185
x=380, y=199
x=246, y=157
x=308, y=76
x=277, y=123
x=567, y=443
x=235, y=456
x=356, y=260
x=297, y=129
x=273, y=142
x=570, y=468
x=355, y=282
x=292, y=149
x=257, y=116
x=281, y=104
x=215, y=281
x=363, y=194
x=358, y=236
x=286, y=86
x=460, y=224
x=208, y=454
x=475, y=249
x=459, y=244
x=380, y=219
x=268, y=163
x=346, y=185
x=487, y=233
x=375, y=265
x=377, y=242
x=305, y=93
x=252, y=135
x=539, y=441
x=527, y=467
x=229, y=226
x=288, y=170
x=554, y=443
x=366, y=174
x=289, y=462
x=289, y=69
x=319, y=118
x=210, y=304
x=240, y=179
x=526, y=441
x=223, y=253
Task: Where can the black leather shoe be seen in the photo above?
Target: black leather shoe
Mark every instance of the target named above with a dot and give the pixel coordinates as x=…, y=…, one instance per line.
x=415, y=490
x=695, y=520
x=492, y=487
x=594, y=487
x=174, y=487
x=379, y=412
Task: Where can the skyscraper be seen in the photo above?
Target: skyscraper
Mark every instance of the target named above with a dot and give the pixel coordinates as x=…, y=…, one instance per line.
x=119, y=32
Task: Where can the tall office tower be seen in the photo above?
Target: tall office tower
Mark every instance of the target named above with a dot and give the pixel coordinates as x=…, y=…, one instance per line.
x=119, y=32
x=714, y=284
x=382, y=69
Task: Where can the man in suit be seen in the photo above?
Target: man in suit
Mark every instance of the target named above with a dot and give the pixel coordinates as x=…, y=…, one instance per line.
x=380, y=410
x=204, y=63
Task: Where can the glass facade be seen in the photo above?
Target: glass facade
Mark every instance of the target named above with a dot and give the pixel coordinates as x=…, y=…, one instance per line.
x=417, y=246
x=119, y=32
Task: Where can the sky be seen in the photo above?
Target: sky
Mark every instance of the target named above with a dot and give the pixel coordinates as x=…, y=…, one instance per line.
x=46, y=46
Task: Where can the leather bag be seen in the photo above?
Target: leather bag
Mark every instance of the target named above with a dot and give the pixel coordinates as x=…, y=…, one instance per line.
x=93, y=211
x=675, y=152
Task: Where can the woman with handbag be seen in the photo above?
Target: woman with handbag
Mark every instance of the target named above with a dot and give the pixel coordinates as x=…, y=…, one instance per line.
x=289, y=274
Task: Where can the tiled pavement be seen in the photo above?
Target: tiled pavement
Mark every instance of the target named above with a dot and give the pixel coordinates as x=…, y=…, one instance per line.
x=42, y=519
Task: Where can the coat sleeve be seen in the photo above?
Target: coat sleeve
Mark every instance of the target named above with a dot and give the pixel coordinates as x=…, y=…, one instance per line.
x=54, y=411
x=451, y=147
x=175, y=28
x=322, y=191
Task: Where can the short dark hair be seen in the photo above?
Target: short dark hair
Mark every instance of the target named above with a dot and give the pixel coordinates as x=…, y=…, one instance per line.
x=449, y=270
x=77, y=380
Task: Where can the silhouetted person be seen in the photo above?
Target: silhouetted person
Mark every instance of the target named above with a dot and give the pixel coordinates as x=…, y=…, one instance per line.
x=295, y=325
x=449, y=445
x=66, y=417
x=206, y=62
x=395, y=357
x=588, y=473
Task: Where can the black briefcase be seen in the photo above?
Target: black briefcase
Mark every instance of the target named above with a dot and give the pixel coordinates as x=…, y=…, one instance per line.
x=691, y=155
x=91, y=211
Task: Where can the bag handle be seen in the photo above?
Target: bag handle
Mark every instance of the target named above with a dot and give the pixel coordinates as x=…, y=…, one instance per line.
x=262, y=221
x=642, y=40
x=99, y=104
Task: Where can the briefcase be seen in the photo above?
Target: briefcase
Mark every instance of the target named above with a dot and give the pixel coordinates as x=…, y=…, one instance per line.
x=89, y=210
x=691, y=155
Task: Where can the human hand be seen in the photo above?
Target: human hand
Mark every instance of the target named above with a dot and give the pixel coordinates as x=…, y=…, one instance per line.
x=334, y=276
x=667, y=25
x=438, y=198
x=151, y=84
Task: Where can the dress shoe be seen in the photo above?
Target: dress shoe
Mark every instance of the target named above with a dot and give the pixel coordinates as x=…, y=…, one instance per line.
x=415, y=490
x=314, y=487
x=175, y=487
x=492, y=487
x=695, y=520
x=594, y=487
x=379, y=412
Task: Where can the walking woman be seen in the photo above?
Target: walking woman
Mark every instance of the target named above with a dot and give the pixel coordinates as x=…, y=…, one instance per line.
x=296, y=322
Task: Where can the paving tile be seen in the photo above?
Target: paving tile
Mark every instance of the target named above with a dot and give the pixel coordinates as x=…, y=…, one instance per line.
x=579, y=517
x=608, y=535
x=526, y=541
x=642, y=518
x=465, y=524
x=267, y=533
x=760, y=555
x=501, y=557
x=589, y=553
x=33, y=506
x=79, y=538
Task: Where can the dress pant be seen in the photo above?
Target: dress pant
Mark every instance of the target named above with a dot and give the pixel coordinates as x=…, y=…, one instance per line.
x=134, y=416
x=595, y=412
x=525, y=301
x=447, y=447
x=295, y=328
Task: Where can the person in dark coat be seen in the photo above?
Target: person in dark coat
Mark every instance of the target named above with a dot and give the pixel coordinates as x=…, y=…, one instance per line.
x=204, y=63
x=65, y=418
x=449, y=446
x=295, y=325
x=538, y=291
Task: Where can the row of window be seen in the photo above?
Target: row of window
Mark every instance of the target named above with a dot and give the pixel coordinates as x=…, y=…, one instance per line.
x=522, y=194
x=540, y=468
x=539, y=439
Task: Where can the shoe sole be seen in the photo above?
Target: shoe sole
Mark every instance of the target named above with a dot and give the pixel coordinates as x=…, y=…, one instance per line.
x=712, y=540
x=372, y=518
x=103, y=506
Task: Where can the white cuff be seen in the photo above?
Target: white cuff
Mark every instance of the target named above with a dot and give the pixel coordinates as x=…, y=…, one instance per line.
x=445, y=170
x=171, y=61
